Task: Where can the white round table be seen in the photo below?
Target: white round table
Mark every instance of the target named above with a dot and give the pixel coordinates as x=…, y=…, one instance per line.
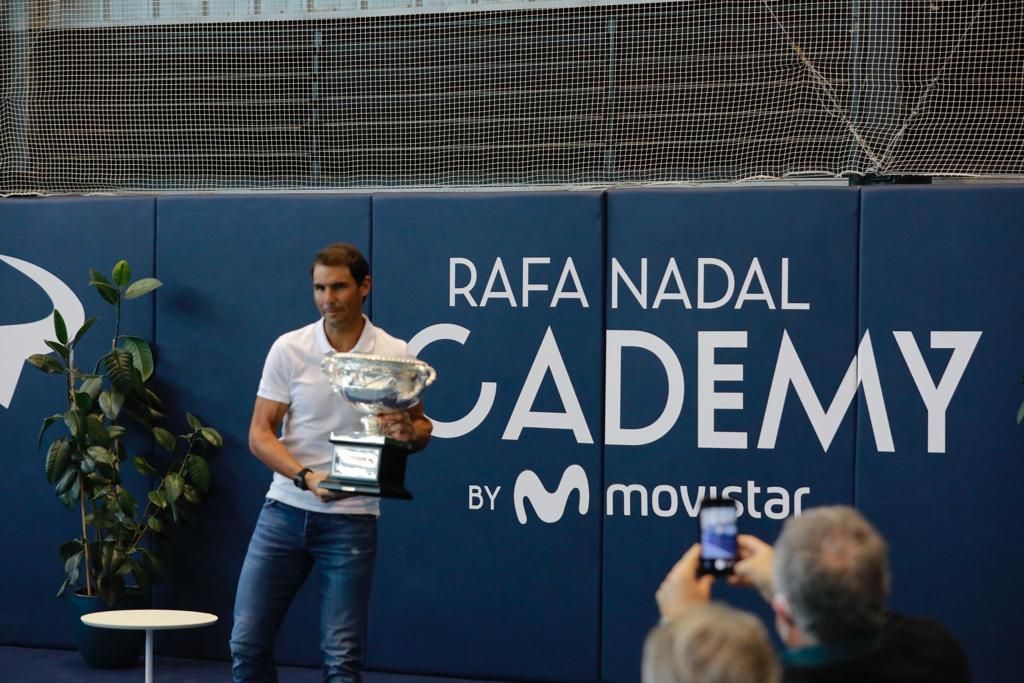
x=149, y=620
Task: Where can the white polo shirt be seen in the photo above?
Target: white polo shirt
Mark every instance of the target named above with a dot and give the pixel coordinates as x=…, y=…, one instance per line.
x=292, y=375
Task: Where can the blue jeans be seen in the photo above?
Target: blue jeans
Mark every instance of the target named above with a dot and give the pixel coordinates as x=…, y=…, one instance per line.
x=285, y=545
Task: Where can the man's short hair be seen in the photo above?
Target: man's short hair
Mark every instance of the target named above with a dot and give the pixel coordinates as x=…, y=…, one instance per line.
x=832, y=567
x=343, y=254
x=710, y=643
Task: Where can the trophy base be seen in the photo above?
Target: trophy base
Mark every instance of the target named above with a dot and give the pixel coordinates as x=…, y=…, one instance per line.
x=368, y=465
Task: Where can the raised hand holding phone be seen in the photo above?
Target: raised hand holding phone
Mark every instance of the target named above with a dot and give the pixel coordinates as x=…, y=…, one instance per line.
x=718, y=533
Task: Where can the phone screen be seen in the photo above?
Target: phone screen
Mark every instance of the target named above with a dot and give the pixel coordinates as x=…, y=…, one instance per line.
x=717, y=536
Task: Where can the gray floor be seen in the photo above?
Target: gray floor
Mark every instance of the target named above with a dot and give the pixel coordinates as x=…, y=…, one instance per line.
x=29, y=665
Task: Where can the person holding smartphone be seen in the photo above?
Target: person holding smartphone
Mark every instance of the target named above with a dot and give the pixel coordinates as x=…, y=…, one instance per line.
x=827, y=580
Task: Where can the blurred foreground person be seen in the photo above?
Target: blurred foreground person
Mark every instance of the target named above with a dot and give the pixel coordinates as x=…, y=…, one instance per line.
x=704, y=642
x=710, y=643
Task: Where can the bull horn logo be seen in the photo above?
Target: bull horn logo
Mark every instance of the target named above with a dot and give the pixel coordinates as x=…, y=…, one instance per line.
x=550, y=506
x=22, y=340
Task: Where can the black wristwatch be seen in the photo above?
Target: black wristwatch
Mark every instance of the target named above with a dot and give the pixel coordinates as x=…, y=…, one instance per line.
x=300, y=478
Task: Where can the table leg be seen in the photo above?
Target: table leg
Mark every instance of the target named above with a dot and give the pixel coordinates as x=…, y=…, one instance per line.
x=149, y=655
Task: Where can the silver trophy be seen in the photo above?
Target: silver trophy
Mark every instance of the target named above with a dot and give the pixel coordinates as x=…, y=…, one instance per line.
x=366, y=461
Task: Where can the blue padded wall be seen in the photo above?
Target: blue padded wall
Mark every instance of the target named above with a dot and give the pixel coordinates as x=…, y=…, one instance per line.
x=237, y=274
x=464, y=590
x=948, y=259
x=473, y=592
x=65, y=237
x=816, y=230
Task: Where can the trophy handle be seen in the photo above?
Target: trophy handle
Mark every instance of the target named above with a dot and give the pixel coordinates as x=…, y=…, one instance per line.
x=431, y=375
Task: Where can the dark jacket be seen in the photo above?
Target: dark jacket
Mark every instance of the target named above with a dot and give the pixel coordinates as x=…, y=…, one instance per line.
x=908, y=650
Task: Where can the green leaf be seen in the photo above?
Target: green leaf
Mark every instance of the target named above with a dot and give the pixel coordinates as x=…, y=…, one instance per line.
x=92, y=386
x=82, y=330
x=70, y=548
x=193, y=422
x=126, y=501
x=73, y=421
x=198, y=472
x=174, y=485
x=59, y=327
x=158, y=498
x=46, y=425
x=111, y=403
x=66, y=480
x=83, y=401
x=142, y=355
x=1020, y=414
x=102, y=455
x=46, y=363
x=71, y=565
x=108, y=292
x=141, y=287
x=121, y=370
x=97, y=432
x=115, y=431
x=155, y=524
x=190, y=495
x=96, y=277
x=164, y=438
x=212, y=436
x=121, y=274
x=58, y=457
x=143, y=467
x=62, y=350
x=110, y=587
x=153, y=399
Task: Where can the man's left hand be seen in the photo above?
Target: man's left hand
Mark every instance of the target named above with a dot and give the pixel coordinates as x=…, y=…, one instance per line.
x=397, y=425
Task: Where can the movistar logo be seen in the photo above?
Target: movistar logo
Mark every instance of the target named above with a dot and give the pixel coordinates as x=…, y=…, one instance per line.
x=550, y=506
x=22, y=340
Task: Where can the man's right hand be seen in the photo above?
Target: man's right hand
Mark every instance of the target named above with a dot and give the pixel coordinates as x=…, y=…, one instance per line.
x=313, y=480
x=682, y=587
x=755, y=565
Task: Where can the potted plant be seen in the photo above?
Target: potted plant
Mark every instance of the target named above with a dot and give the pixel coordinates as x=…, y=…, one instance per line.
x=120, y=550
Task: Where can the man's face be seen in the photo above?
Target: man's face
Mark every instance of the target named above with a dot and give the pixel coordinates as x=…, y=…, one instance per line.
x=338, y=298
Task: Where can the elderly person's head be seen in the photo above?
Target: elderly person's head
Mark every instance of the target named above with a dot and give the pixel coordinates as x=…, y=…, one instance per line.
x=831, y=572
x=710, y=643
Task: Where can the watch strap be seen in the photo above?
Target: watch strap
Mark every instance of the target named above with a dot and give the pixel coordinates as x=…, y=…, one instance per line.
x=300, y=479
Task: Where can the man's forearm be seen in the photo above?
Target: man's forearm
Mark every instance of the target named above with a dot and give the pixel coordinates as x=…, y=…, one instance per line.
x=269, y=450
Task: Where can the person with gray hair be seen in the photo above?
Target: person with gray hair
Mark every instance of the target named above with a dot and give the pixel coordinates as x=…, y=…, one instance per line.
x=827, y=580
x=699, y=641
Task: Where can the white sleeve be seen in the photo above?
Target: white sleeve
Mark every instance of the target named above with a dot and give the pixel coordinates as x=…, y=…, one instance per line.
x=275, y=384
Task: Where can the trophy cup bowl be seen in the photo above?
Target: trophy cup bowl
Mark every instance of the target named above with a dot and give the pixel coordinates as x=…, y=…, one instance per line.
x=368, y=462
x=377, y=384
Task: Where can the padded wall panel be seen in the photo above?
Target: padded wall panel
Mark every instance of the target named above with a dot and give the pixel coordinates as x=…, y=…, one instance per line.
x=939, y=261
x=66, y=238
x=804, y=237
x=236, y=274
x=474, y=592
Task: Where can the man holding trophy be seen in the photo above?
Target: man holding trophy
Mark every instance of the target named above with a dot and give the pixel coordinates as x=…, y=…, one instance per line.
x=330, y=469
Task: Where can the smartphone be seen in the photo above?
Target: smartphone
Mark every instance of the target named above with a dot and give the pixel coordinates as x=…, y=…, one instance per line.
x=717, y=536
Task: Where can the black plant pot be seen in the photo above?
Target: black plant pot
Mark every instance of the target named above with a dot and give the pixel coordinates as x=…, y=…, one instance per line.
x=104, y=648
